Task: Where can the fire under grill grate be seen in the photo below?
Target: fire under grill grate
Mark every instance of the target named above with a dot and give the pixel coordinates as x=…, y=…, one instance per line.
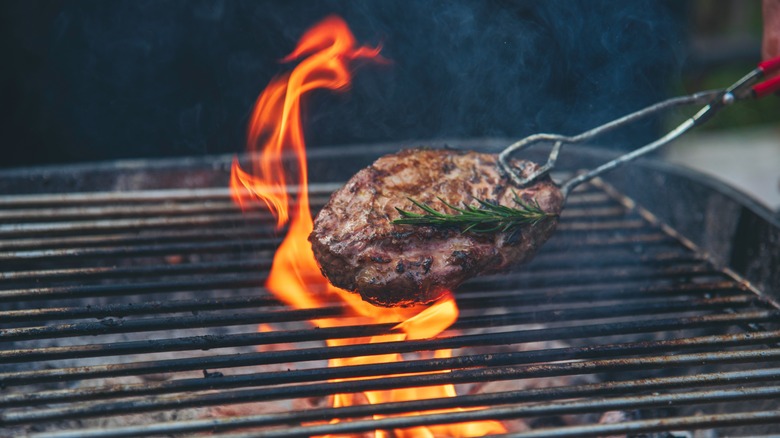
x=136, y=313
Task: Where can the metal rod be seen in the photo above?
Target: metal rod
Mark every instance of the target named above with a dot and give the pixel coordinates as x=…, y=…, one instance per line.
x=618, y=224
x=119, y=325
x=591, y=198
x=253, y=230
x=592, y=213
x=618, y=256
x=584, y=276
x=54, y=233
x=223, y=208
x=576, y=431
x=112, y=325
x=100, y=272
x=214, y=282
x=323, y=353
x=119, y=310
x=466, y=299
x=143, y=196
x=575, y=257
x=147, y=196
x=464, y=401
x=269, y=244
x=418, y=366
x=265, y=338
x=102, y=211
x=655, y=425
x=135, y=251
x=574, y=294
x=193, y=240
x=663, y=424
x=242, y=232
x=560, y=277
x=560, y=140
x=134, y=238
x=204, y=342
x=383, y=383
x=90, y=226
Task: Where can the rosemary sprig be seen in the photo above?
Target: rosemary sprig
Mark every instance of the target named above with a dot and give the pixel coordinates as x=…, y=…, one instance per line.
x=483, y=218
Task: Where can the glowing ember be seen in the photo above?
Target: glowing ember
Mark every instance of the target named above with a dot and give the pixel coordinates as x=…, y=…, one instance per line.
x=275, y=132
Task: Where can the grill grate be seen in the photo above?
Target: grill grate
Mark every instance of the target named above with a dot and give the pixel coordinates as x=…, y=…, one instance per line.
x=135, y=313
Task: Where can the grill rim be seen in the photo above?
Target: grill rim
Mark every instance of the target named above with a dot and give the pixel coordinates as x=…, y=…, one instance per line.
x=586, y=154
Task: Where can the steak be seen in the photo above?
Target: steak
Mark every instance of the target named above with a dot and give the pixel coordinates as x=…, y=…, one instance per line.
x=360, y=249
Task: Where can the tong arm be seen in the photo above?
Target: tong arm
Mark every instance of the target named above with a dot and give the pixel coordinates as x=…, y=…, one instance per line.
x=746, y=87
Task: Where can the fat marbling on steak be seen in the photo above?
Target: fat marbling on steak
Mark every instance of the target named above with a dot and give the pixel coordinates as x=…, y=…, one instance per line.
x=359, y=249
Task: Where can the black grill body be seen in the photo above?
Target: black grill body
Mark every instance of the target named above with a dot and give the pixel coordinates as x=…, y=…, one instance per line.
x=131, y=294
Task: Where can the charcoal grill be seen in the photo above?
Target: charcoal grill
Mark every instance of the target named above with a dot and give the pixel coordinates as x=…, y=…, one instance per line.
x=131, y=293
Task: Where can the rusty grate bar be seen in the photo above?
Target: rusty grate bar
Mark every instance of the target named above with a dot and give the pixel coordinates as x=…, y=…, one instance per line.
x=107, y=326
x=760, y=417
x=265, y=338
x=636, y=290
x=194, y=399
x=558, y=277
x=492, y=360
x=142, y=196
x=570, y=407
x=321, y=353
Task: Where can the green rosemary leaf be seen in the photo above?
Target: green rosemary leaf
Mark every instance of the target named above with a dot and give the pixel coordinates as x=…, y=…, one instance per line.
x=485, y=217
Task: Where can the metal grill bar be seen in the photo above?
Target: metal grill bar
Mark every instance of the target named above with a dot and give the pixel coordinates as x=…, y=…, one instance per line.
x=41, y=230
x=17, y=230
x=531, y=279
x=218, y=206
x=390, y=369
x=212, y=342
x=323, y=353
x=148, y=308
x=107, y=326
x=586, y=194
x=99, y=273
x=760, y=417
x=143, y=196
x=37, y=221
x=352, y=386
x=126, y=251
x=49, y=293
x=237, y=231
x=466, y=401
x=536, y=295
x=546, y=260
x=220, y=246
x=696, y=421
x=76, y=245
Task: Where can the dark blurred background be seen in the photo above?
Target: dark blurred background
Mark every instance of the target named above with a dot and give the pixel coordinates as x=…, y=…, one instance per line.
x=103, y=80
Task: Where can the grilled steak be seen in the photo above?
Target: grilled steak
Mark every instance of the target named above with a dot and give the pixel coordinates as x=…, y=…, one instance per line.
x=359, y=249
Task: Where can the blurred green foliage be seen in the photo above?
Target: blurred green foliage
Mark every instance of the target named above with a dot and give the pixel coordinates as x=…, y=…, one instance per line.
x=725, y=38
x=745, y=113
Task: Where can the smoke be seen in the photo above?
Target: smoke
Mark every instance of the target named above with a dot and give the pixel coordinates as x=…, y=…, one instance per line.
x=509, y=69
x=106, y=80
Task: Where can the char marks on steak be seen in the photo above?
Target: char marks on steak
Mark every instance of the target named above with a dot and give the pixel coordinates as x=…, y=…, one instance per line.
x=359, y=249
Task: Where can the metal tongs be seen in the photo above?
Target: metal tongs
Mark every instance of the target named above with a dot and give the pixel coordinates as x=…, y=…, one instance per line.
x=748, y=87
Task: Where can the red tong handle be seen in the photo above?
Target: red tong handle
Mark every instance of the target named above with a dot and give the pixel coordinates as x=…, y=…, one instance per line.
x=767, y=87
x=770, y=66
x=772, y=85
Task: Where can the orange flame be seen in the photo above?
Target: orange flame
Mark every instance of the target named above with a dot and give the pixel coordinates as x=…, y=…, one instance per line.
x=275, y=132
